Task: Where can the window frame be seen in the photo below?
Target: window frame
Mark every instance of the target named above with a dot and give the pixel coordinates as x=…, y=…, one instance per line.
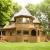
x=18, y=32
x=25, y=32
x=3, y=33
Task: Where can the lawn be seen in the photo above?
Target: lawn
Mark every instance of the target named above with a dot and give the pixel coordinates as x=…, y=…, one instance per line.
x=25, y=46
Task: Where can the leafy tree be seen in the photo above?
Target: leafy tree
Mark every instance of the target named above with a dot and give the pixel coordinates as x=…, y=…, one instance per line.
x=32, y=9
x=35, y=10
x=43, y=19
x=16, y=7
x=45, y=8
x=7, y=8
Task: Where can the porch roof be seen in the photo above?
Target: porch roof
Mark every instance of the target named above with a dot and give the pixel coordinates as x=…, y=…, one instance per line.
x=9, y=26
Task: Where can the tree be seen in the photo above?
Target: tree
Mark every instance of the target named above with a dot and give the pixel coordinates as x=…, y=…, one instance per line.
x=7, y=8
x=35, y=10
x=32, y=9
x=45, y=8
x=43, y=19
x=16, y=7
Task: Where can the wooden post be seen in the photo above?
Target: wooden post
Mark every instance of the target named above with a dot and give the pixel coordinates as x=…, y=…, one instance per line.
x=29, y=35
x=38, y=36
x=1, y=35
x=22, y=35
x=29, y=32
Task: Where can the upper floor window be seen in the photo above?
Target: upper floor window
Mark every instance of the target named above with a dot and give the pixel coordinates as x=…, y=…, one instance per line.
x=22, y=20
x=25, y=20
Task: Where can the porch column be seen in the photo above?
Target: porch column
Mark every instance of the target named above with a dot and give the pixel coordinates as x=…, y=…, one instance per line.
x=29, y=35
x=22, y=36
x=38, y=35
x=29, y=32
x=1, y=35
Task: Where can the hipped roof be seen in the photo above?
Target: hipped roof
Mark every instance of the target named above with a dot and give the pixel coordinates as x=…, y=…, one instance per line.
x=23, y=12
x=9, y=26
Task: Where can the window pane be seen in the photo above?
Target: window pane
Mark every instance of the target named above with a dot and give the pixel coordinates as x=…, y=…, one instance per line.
x=25, y=32
x=23, y=20
x=27, y=20
x=0, y=32
x=25, y=40
x=19, y=32
x=19, y=20
x=3, y=32
x=33, y=33
x=10, y=33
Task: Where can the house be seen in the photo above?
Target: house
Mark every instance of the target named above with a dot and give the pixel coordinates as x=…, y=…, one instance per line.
x=23, y=27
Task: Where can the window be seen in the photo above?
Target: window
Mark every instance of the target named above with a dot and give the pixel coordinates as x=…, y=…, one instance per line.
x=0, y=32
x=25, y=40
x=38, y=32
x=19, y=32
x=23, y=20
x=3, y=32
x=33, y=33
x=44, y=33
x=10, y=33
x=27, y=20
x=19, y=20
x=25, y=32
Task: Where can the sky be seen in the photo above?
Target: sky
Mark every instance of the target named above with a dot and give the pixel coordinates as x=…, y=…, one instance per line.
x=25, y=2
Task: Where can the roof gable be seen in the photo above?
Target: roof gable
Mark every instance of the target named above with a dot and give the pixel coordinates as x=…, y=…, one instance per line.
x=23, y=12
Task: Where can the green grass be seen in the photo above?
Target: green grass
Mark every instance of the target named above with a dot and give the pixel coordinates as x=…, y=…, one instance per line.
x=25, y=46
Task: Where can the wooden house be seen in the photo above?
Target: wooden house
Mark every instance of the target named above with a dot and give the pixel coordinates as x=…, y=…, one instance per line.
x=23, y=27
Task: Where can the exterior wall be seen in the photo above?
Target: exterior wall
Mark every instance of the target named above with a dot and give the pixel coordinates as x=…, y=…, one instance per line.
x=43, y=37
x=27, y=27
x=19, y=38
x=48, y=37
x=33, y=39
x=24, y=26
x=23, y=38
